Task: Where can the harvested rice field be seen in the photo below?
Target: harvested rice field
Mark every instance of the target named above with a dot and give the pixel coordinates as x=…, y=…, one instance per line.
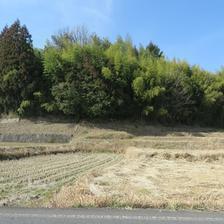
x=115, y=164
x=35, y=179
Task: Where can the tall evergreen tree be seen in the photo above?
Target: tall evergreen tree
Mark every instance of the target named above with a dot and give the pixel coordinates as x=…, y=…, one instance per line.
x=18, y=67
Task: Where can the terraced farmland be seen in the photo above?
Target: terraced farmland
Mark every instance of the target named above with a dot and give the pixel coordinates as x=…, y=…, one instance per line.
x=137, y=166
x=36, y=178
x=173, y=171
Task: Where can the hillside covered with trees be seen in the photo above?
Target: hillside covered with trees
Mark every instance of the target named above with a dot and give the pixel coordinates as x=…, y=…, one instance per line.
x=80, y=75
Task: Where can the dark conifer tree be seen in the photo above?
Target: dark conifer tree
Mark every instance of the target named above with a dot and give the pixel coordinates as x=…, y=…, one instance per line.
x=18, y=67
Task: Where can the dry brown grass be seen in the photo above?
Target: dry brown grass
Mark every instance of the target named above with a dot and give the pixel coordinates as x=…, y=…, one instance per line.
x=86, y=139
x=163, y=167
x=28, y=150
x=188, y=155
x=110, y=137
x=80, y=195
x=37, y=127
x=149, y=183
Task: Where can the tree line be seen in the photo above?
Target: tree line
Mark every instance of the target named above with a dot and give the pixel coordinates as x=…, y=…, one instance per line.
x=80, y=75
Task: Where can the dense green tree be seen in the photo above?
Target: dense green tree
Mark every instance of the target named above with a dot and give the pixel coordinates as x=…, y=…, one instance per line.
x=178, y=99
x=152, y=50
x=148, y=88
x=78, y=87
x=210, y=98
x=119, y=72
x=19, y=69
x=81, y=75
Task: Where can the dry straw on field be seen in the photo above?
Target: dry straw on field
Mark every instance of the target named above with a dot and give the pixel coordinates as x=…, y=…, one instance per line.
x=36, y=178
x=143, y=166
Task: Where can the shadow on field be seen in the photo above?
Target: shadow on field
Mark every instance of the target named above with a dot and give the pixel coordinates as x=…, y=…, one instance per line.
x=139, y=129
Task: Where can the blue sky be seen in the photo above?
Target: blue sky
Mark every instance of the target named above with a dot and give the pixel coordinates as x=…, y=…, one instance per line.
x=186, y=29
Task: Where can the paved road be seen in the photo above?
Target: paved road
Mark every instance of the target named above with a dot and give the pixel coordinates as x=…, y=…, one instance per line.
x=102, y=216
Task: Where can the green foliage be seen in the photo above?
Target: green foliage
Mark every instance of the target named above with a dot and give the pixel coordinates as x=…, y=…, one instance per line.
x=210, y=98
x=153, y=50
x=119, y=73
x=106, y=72
x=19, y=69
x=79, y=74
x=75, y=73
x=67, y=98
x=24, y=107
